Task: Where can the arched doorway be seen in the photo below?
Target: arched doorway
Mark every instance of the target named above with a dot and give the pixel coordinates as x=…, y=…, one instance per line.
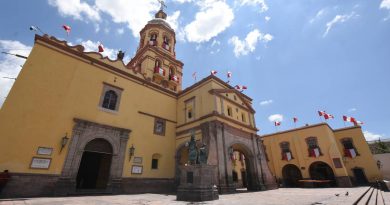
x=241, y=165
x=94, y=169
x=291, y=175
x=322, y=171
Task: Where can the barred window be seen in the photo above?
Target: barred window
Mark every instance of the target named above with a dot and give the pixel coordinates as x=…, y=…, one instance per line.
x=110, y=99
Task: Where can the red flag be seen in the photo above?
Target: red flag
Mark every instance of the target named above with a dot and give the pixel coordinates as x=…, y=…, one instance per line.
x=349, y=119
x=67, y=29
x=295, y=119
x=328, y=116
x=214, y=72
x=321, y=113
x=229, y=74
x=277, y=123
x=240, y=87
x=101, y=48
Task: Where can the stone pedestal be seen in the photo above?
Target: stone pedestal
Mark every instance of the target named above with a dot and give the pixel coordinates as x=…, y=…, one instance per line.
x=196, y=183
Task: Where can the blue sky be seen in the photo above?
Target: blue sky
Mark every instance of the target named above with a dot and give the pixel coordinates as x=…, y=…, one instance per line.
x=296, y=57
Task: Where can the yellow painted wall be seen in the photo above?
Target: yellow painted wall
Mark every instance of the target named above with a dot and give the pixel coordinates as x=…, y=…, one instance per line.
x=365, y=160
x=299, y=149
x=331, y=147
x=48, y=95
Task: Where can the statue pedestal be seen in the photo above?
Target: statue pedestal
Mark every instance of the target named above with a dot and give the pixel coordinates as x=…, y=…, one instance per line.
x=196, y=183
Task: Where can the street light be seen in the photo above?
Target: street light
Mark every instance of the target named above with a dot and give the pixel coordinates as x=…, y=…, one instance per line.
x=131, y=151
x=64, y=141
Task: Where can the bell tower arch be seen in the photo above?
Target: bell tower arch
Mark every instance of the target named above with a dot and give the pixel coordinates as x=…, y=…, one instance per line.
x=156, y=55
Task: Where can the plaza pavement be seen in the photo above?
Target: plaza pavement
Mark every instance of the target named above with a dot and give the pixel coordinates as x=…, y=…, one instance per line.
x=279, y=196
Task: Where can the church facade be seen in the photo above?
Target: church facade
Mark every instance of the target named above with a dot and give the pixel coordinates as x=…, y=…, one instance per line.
x=78, y=123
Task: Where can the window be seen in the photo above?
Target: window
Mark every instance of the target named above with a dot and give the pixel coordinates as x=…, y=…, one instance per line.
x=189, y=109
x=154, y=163
x=166, y=43
x=153, y=39
x=243, y=117
x=313, y=148
x=155, y=159
x=349, y=148
x=189, y=114
x=286, y=152
x=159, y=126
x=229, y=111
x=235, y=98
x=110, y=97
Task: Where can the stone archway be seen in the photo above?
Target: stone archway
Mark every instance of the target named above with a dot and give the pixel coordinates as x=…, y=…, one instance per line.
x=291, y=175
x=243, y=160
x=95, y=165
x=84, y=132
x=322, y=171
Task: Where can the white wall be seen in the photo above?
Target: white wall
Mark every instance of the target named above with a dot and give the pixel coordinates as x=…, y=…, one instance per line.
x=385, y=160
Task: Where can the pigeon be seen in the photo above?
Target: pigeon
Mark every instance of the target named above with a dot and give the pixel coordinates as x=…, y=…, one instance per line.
x=346, y=194
x=337, y=194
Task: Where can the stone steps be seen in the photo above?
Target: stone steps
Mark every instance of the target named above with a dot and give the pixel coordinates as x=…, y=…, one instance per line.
x=373, y=196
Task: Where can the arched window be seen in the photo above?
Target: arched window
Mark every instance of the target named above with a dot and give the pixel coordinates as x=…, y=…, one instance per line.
x=153, y=39
x=110, y=100
x=166, y=42
x=157, y=64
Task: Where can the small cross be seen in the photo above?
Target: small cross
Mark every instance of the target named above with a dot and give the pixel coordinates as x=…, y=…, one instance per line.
x=162, y=5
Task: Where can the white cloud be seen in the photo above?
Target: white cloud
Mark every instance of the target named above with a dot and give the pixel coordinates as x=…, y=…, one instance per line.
x=120, y=31
x=371, y=136
x=215, y=43
x=182, y=1
x=267, y=18
x=93, y=46
x=352, y=109
x=173, y=20
x=10, y=65
x=261, y=3
x=319, y=14
x=243, y=47
x=266, y=102
x=275, y=117
x=213, y=18
x=337, y=20
x=134, y=13
x=76, y=9
x=385, y=4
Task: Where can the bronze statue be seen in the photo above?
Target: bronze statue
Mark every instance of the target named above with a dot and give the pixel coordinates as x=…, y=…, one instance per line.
x=203, y=154
x=192, y=151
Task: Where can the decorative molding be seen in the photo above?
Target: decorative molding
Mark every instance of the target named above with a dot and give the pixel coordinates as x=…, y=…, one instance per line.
x=155, y=116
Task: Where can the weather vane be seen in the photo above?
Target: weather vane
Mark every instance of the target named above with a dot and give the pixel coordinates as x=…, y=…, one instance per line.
x=162, y=5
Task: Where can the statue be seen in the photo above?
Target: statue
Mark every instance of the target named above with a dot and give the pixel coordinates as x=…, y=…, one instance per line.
x=203, y=154
x=162, y=5
x=192, y=152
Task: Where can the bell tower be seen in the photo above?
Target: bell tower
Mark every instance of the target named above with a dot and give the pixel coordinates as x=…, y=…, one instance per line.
x=156, y=57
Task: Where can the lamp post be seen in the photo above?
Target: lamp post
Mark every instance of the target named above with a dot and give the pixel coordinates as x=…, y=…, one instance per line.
x=64, y=141
x=131, y=151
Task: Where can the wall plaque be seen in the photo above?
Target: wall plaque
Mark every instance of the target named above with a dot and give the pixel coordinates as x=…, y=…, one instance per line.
x=136, y=169
x=137, y=160
x=44, y=151
x=40, y=163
